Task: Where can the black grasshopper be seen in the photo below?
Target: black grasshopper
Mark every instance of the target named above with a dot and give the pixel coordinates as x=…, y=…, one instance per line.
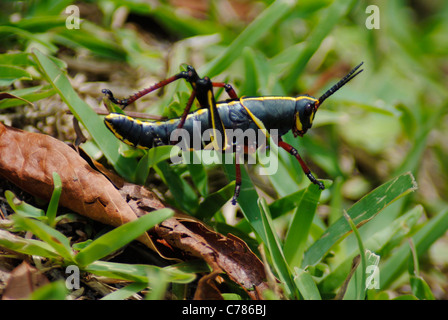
x=264, y=114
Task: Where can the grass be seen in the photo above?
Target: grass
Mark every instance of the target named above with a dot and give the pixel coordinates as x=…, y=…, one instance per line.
x=378, y=142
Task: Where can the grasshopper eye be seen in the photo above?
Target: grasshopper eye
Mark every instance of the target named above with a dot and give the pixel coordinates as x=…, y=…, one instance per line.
x=308, y=109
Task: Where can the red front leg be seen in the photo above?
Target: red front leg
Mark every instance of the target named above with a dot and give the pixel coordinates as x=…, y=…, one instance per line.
x=305, y=168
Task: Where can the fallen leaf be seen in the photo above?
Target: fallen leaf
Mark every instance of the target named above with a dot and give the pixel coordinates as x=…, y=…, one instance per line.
x=23, y=281
x=207, y=289
x=228, y=255
x=29, y=159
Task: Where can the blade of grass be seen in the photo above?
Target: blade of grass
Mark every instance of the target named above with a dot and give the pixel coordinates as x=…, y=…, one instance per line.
x=121, y=236
x=23, y=208
x=419, y=286
x=54, y=201
x=137, y=272
x=280, y=169
x=182, y=192
x=361, y=212
x=158, y=285
x=328, y=20
x=275, y=251
x=151, y=158
x=361, y=288
x=298, y=232
x=92, y=122
x=52, y=237
x=247, y=200
x=378, y=241
x=286, y=203
x=214, y=202
x=197, y=173
x=251, y=34
x=9, y=74
x=126, y=292
x=27, y=95
x=27, y=246
x=52, y=291
x=423, y=239
x=28, y=36
x=306, y=285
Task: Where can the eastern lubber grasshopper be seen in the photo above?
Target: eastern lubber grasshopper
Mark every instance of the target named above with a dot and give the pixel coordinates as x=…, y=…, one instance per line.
x=268, y=113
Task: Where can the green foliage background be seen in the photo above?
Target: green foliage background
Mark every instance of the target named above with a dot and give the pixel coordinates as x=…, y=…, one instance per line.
x=389, y=121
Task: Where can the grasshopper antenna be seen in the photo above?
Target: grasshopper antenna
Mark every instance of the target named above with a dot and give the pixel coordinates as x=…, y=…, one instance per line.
x=341, y=83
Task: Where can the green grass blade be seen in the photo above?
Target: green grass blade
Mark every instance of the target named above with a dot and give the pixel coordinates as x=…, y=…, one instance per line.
x=182, y=192
x=121, y=236
x=28, y=36
x=126, y=292
x=297, y=236
x=248, y=200
x=252, y=33
x=306, y=285
x=52, y=291
x=27, y=95
x=92, y=38
x=328, y=20
x=159, y=284
x=197, y=172
x=151, y=158
x=275, y=251
x=9, y=74
x=52, y=237
x=286, y=203
x=281, y=169
x=379, y=241
x=214, y=202
x=420, y=288
x=137, y=272
x=360, y=290
x=423, y=239
x=54, y=201
x=361, y=212
x=23, y=208
x=27, y=246
x=92, y=122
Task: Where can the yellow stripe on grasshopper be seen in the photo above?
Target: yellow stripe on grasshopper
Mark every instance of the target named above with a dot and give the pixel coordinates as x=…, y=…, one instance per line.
x=256, y=120
x=212, y=107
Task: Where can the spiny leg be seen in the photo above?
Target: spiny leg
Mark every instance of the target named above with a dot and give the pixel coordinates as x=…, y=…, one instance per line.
x=187, y=109
x=125, y=102
x=185, y=113
x=190, y=75
x=305, y=168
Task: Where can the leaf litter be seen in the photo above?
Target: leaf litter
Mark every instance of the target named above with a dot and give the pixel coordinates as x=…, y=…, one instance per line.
x=28, y=160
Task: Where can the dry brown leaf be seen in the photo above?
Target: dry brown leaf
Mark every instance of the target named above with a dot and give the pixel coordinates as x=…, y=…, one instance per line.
x=207, y=289
x=23, y=281
x=224, y=254
x=29, y=159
